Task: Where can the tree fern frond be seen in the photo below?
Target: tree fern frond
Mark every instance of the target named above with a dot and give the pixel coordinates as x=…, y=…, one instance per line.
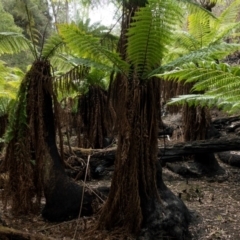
x=11, y=42
x=231, y=105
x=90, y=63
x=194, y=100
x=199, y=29
x=225, y=32
x=60, y=63
x=211, y=53
x=53, y=45
x=185, y=40
x=230, y=14
x=194, y=7
x=219, y=76
x=220, y=82
x=88, y=47
x=149, y=34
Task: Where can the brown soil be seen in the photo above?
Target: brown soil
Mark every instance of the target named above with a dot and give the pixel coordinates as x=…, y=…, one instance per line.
x=215, y=203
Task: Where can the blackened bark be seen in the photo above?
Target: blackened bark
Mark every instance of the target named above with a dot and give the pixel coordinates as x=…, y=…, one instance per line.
x=63, y=195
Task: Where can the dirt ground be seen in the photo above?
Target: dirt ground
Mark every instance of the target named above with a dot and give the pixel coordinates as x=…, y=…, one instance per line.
x=214, y=202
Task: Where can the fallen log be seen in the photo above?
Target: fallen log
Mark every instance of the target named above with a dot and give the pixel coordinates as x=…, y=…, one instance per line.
x=201, y=146
x=179, y=149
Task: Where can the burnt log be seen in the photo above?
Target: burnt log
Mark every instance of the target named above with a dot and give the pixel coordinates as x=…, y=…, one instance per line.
x=201, y=146
x=221, y=123
x=170, y=151
x=230, y=157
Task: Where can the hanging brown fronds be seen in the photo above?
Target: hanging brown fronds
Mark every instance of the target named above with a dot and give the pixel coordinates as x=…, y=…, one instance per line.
x=66, y=81
x=96, y=118
x=27, y=150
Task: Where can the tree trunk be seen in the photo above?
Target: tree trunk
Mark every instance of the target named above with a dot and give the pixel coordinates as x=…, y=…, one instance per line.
x=197, y=121
x=136, y=157
x=138, y=195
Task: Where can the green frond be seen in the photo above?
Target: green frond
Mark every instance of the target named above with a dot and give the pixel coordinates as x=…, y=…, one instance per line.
x=194, y=100
x=199, y=29
x=88, y=47
x=149, y=34
x=218, y=78
x=220, y=83
x=60, y=63
x=231, y=105
x=11, y=43
x=9, y=84
x=231, y=13
x=205, y=33
x=76, y=61
x=185, y=40
x=211, y=53
x=193, y=7
x=226, y=23
x=225, y=31
x=53, y=45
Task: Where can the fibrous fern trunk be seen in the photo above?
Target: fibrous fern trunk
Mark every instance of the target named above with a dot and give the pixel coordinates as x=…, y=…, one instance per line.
x=134, y=185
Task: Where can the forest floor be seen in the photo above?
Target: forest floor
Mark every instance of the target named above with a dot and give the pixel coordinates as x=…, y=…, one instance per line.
x=215, y=201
